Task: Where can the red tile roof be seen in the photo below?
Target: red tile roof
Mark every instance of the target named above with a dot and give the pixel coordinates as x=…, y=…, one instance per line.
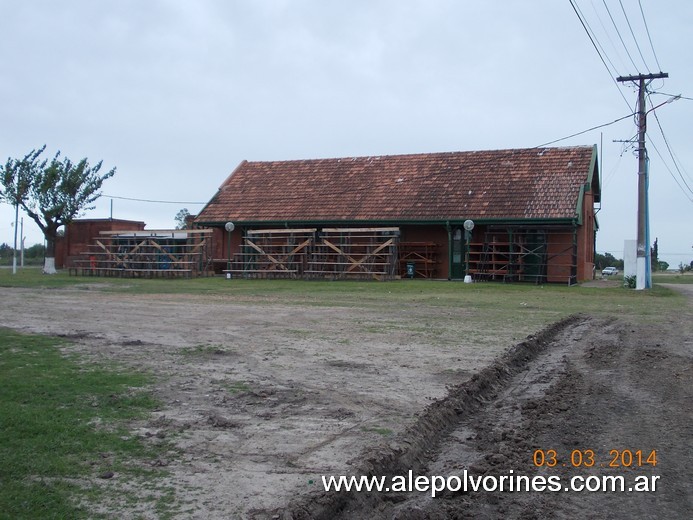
x=535, y=183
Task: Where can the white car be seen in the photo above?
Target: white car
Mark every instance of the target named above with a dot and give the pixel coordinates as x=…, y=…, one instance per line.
x=609, y=271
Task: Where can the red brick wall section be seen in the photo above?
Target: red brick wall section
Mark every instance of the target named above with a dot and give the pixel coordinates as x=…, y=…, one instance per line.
x=79, y=234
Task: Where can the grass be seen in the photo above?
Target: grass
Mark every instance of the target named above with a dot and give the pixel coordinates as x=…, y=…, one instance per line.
x=442, y=312
x=64, y=424
x=385, y=432
x=237, y=387
x=673, y=278
x=490, y=302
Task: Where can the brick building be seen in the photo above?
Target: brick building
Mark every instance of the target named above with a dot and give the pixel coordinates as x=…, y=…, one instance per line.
x=533, y=212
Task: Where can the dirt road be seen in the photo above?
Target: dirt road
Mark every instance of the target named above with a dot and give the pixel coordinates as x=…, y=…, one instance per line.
x=595, y=394
x=262, y=400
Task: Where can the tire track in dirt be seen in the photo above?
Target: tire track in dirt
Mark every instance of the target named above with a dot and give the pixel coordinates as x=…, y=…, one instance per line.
x=584, y=383
x=417, y=447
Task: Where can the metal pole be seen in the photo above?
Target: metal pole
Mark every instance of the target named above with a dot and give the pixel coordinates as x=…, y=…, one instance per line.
x=228, y=261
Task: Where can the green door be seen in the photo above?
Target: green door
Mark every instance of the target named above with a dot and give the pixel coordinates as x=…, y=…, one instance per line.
x=534, y=260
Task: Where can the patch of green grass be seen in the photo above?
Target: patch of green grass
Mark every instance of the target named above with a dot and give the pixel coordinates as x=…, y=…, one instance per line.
x=523, y=307
x=63, y=423
x=299, y=333
x=237, y=387
x=379, y=430
x=686, y=278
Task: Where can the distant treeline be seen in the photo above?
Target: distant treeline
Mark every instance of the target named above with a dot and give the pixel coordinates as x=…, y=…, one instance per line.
x=32, y=255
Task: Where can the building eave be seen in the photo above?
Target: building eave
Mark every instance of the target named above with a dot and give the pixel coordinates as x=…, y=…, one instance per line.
x=456, y=221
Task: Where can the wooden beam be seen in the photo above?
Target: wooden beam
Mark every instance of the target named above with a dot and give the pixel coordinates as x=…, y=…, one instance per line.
x=157, y=232
x=280, y=231
x=262, y=252
x=174, y=260
x=360, y=230
x=372, y=253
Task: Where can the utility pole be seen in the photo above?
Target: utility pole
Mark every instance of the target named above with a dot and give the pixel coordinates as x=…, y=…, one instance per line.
x=643, y=272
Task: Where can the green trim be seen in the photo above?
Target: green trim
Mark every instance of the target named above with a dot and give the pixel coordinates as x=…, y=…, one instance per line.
x=589, y=185
x=592, y=179
x=581, y=203
x=344, y=223
x=449, y=230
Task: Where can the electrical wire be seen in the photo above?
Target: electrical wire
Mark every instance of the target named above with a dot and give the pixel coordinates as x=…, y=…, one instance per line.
x=673, y=95
x=619, y=35
x=689, y=197
x=647, y=29
x=612, y=174
x=583, y=22
x=678, y=161
x=589, y=35
x=608, y=37
x=154, y=201
x=671, y=153
x=673, y=157
x=630, y=27
x=584, y=131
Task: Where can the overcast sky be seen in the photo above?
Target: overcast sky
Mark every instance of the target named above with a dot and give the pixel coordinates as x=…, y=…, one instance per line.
x=175, y=93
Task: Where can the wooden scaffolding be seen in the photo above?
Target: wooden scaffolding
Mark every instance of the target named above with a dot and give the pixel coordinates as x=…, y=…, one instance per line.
x=539, y=255
x=355, y=253
x=421, y=256
x=329, y=253
x=273, y=253
x=147, y=254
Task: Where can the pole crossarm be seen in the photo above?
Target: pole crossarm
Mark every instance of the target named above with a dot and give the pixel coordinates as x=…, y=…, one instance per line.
x=640, y=77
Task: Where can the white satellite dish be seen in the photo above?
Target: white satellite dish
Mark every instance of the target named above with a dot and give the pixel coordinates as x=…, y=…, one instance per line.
x=468, y=225
x=229, y=227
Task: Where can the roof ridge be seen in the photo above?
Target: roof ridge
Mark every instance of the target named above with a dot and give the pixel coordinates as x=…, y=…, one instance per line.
x=422, y=154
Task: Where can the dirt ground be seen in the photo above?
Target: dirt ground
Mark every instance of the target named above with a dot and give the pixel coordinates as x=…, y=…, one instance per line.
x=261, y=400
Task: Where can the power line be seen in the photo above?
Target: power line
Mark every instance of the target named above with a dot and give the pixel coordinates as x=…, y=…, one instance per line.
x=613, y=22
x=608, y=37
x=596, y=40
x=611, y=175
x=670, y=172
x=637, y=45
x=671, y=153
x=672, y=95
x=584, y=131
x=678, y=161
x=647, y=30
x=154, y=201
x=583, y=22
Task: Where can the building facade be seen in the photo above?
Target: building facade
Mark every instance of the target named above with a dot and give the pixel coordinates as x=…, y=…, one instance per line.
x=533, y=215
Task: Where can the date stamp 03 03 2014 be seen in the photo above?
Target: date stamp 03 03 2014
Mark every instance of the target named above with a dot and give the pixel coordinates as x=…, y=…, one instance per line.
x=588, y=458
